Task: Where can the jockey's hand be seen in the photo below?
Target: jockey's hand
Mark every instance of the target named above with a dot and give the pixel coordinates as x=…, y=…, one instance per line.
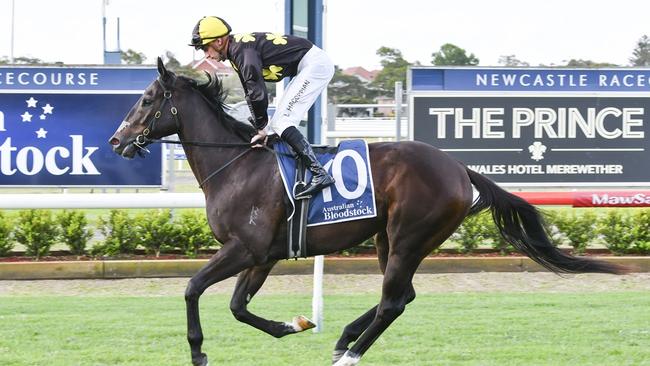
x=261, y=138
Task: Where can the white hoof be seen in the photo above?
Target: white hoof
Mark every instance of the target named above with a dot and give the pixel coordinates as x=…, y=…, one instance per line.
x=301, y=323
x=347, y=360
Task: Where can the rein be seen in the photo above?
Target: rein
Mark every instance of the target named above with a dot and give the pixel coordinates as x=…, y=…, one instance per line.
x=201, y=143
x=142, y=140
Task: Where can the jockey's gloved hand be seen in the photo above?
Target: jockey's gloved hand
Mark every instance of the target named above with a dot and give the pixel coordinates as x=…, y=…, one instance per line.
x=261, y=137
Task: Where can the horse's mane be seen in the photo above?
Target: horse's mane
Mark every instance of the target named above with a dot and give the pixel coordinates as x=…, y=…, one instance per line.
x=215, y=95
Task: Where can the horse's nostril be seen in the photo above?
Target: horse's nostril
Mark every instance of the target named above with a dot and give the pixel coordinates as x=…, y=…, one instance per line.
x=114, y=141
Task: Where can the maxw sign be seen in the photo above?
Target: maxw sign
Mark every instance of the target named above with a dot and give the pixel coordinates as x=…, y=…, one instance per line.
x=60, y=139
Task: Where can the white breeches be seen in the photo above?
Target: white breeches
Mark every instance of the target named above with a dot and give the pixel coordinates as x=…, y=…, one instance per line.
x=315, y=71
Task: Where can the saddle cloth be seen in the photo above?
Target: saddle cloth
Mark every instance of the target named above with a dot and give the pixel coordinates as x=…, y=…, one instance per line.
x=352, y=197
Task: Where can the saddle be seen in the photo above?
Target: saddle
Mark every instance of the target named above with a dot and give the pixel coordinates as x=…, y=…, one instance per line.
x=351, y=198
x=297, y=224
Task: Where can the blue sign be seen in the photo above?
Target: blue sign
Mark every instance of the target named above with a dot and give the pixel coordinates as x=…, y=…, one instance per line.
x=55, y=124
x=75, y=78
x=352, y=197
x=530, y=79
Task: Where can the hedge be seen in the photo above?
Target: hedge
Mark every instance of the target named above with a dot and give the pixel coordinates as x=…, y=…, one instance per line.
x=622, y=231
x=74, y=231
x=37, y=231
x=6, y=236
x=122, y=233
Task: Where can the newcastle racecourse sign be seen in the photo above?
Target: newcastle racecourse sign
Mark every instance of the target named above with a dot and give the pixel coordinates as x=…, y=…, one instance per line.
x=55, y=123
x=538, y=127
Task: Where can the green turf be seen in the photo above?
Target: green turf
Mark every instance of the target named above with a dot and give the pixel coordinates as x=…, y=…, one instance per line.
x=446, y=329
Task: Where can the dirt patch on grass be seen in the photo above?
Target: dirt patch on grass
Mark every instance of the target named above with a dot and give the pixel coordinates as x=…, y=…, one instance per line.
x=340, y=285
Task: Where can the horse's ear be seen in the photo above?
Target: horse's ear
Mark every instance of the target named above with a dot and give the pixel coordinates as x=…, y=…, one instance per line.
x=162, y=71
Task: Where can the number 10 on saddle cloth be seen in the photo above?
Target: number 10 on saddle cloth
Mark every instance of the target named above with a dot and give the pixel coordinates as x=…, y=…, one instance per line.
x=352, y=197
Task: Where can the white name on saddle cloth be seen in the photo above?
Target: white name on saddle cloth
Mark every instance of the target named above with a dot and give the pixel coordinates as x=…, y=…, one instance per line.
x=352, y=197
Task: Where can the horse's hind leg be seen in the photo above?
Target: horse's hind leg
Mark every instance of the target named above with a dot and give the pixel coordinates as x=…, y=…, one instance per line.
x=248, y=283
x=353, y=331
x=397, y=291
x=409, y=245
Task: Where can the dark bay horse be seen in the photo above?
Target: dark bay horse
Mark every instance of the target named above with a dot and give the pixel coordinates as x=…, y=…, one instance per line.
x=422, y=196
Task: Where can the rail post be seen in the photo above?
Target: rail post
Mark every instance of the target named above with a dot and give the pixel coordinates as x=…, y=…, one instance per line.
x=398, y=110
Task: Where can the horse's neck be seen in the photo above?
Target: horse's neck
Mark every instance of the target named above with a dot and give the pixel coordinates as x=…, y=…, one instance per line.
x=200, y=124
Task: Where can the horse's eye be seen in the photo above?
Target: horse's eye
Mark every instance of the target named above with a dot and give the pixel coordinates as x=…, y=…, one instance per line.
x=146, y=102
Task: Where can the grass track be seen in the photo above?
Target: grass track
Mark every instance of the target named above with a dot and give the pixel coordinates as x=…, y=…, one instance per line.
x=609, y=328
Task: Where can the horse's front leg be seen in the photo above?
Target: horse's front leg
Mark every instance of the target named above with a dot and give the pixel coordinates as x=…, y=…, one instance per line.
x=231, y=259
x=248, y=283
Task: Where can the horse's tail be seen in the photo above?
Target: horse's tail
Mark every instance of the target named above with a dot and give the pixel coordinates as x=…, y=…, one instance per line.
x=521, y=225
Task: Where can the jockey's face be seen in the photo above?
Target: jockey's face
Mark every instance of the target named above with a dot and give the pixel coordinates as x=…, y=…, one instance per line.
x=216, y=49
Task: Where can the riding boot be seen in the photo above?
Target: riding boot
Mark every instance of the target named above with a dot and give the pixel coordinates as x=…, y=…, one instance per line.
x=320, y=178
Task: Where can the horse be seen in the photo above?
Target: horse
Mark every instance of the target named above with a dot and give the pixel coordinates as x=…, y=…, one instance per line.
x=421, y=193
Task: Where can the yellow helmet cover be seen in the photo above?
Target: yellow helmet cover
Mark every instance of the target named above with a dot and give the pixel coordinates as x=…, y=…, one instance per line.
x=208, y=29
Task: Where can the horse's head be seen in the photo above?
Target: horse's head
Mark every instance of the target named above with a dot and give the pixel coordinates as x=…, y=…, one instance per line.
x=152, y=117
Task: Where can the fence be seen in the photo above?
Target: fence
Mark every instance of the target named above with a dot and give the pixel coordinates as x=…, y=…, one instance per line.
x=373, y=122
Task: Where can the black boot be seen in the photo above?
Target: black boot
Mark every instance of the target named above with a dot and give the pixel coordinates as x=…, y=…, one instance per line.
x=320, y=178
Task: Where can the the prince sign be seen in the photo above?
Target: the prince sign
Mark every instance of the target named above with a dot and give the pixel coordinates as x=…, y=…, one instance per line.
x=55, y=123
x=352, y=197
x=526, y=127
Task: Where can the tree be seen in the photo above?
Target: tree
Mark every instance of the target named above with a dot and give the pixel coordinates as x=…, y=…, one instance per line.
x=28, y=61
x=394, y=69
x=132, y=57
x=512, y=61
x=588, y=64
x=350, y=89
x=171, y=61
x=23, y=60
x=174, y=65
x=452, y=55
x=641, y=54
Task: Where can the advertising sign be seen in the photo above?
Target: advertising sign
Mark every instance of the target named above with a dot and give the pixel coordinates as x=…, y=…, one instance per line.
x=55, y=124
x=538, y=127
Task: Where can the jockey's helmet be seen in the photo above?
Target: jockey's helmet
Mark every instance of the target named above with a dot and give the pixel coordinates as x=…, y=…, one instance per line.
x=207, y=30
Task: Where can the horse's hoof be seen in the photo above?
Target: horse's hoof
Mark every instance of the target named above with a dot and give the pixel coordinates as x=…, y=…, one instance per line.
x=337, y=354
x=301, y=324
x=202, y=360
x=348, y=359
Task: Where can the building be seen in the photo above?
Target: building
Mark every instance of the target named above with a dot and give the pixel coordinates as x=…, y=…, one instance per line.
x=361, y=73
x=213, y=67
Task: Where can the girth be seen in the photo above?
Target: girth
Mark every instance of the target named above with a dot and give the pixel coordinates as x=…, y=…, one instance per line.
x=297, y=225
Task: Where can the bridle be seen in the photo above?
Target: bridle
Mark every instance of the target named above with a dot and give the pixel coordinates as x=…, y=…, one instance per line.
x=143, y=139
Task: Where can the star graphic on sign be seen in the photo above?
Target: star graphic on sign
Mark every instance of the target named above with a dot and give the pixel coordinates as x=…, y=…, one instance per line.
x=42, y=117
x=26, y=117
x=31, y=102
x=47, y=109
x=40, y=134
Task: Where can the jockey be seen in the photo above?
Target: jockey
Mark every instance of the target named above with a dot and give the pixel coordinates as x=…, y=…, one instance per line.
x=260, y=57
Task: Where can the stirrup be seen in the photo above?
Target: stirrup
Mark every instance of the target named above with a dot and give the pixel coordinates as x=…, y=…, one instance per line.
x=298, y=189
x=302, y=195
x=310, y=190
